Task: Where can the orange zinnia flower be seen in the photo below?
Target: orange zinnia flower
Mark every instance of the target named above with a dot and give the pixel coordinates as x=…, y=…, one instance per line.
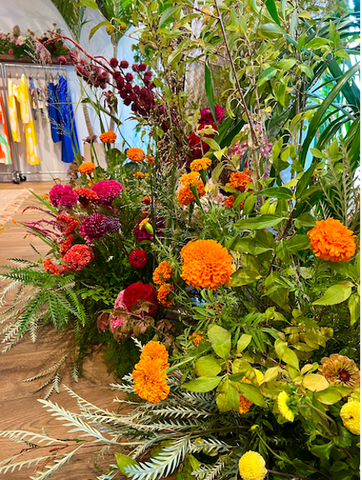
x=162, y=273
x=206, y=264
x=86, y=168
x=155, y=351
x=107, y=137
x=229, y=202
x=240, y=180
x=150, y=380
x=331, y=240
x=163, y=293
x=340, y=370
x=200, y=164
x=136, y=154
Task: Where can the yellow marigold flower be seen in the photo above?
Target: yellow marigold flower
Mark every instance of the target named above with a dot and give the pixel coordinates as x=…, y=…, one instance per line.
x=86, y=168
x=350, y=415
x=163, y=295
x=252, y=466
x=206, y=264
x=162, y=273
x=136, y=154
x=229, y=202
x=284, y=408
x=331, y=240
x=240, y=180
x=107, y=137
x=244, y=403
x=144, y=222
x=140, y=175
x=189, y=179
x=155, y=351
x=150, y=160
x=150, y=380
x=200, y=164
x=340, y=370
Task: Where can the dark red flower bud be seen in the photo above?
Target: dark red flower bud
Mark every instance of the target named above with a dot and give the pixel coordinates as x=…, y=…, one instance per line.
x=124, y=64
x=113, y=62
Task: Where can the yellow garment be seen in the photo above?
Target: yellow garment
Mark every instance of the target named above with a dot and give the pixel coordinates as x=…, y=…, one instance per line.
x=13, y=114
x=28, y=121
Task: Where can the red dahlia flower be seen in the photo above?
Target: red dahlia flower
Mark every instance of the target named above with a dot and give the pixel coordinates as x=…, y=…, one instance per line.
x=138, y=293
x=138, y=258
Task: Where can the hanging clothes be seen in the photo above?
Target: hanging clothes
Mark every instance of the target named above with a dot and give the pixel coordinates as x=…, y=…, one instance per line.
x=54, y=117
x=13, y=92
x=28, y=121
x=70, y=145
x=5, y=150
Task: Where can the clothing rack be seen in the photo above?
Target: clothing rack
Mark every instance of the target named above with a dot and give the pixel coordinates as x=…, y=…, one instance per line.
x=6, y=70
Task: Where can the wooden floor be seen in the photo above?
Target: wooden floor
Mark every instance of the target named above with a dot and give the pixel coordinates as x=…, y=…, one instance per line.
x=19, y=408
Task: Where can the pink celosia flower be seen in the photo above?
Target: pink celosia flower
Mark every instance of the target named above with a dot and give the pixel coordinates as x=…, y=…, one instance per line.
x=206, y=115
x=19, y=41
x=62, y=195
x=107, y=190
x=10, y=52
x=115, y=320
x=2, y=36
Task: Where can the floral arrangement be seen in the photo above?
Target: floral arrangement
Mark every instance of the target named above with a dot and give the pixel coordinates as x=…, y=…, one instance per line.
x=219, y=265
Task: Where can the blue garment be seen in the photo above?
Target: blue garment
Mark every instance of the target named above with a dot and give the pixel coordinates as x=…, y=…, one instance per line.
x=52, y=101
x=70, y=144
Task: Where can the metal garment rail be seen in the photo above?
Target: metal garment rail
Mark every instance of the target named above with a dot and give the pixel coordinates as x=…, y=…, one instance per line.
x=10, y=70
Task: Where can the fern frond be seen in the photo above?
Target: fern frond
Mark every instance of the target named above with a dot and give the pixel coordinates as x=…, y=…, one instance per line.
x=53, y=367
x=22, y=436
x=58, y=463
x=7, y=464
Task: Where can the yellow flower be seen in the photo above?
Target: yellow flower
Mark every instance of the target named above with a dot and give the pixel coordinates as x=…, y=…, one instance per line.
x=340, y=370
x=144, y=222
x=200, y=164
x=259, y=376
x=350, y=415
x=284, y=407
x=252, y=466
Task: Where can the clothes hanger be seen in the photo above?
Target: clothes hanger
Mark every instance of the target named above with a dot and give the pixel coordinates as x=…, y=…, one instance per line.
x=16, y=74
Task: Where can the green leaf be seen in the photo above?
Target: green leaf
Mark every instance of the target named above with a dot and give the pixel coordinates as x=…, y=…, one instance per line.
x=250, y=245
x=207, y=366
x=316, y=153
x=268, y=74
x=209, y=90
x=227, y=397
x=277, y=293
x=330, y=396
x=290, y=358
x=272, y=9
x=270, y=30
x=243, y=276
x=276, y=192
x=88, y=3
x=304, y=180
x=322, y=451
x=305, y=220
x=220, y=340
x=243, y=342
x=316, y=43
x=167, y=14
x=354, y=308
x=202, y=384
x=334, y=295
x=287, y=63
x=249, y=204
x=298, y=243
x=252, y=393
x=124, y=461
x=315, y=382
x=97, y=27
x=256, y=223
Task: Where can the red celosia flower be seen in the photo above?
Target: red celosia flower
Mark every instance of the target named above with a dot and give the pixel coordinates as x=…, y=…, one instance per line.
x=78, y=257
x=138, y=258
x=71, y=223
x=138, y=293
x=146, y=200
x=52, y=268
x=65, y=246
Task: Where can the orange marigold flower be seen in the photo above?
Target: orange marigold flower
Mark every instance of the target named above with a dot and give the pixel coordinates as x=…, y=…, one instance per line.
x=86, y=168
x=150, y=160
x=206, y=264
x=185, y=196
x=331, y=240
x=136, y=154
x=229, y=202
x=107, y=137
x=200, y=164
x=140, y=175
x=150, y=380
x=196, y=337
x=244, y=403
x=240, y=180
x=163, y=295
x=189, y=179
x=162, y=273
x=340, y=370
x=146, y=200
x=155, y=351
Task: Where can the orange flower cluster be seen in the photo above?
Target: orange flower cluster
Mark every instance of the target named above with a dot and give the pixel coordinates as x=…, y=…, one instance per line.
x=150, y=160
x=146, y=200
x=149, y=374
x=196, y=337
x=52, y=268
x=140, y=174
x=162, y=273
x=136, y=154
x=244, y=403
x=185, y=195
x=240, y=180
x=200, y=164
x=163, y=295
x=229, y=202
x=206, y=264
x=340, y=370
x=331, y=240
x=189, y=179
x=107, y=137
x=86, y=168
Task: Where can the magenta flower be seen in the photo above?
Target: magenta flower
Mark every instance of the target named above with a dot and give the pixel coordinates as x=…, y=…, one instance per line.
x=107, y=191
x=97, y=225
x=62, y=195
x=62, y=60
x=143, y=234
x=206, y=115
